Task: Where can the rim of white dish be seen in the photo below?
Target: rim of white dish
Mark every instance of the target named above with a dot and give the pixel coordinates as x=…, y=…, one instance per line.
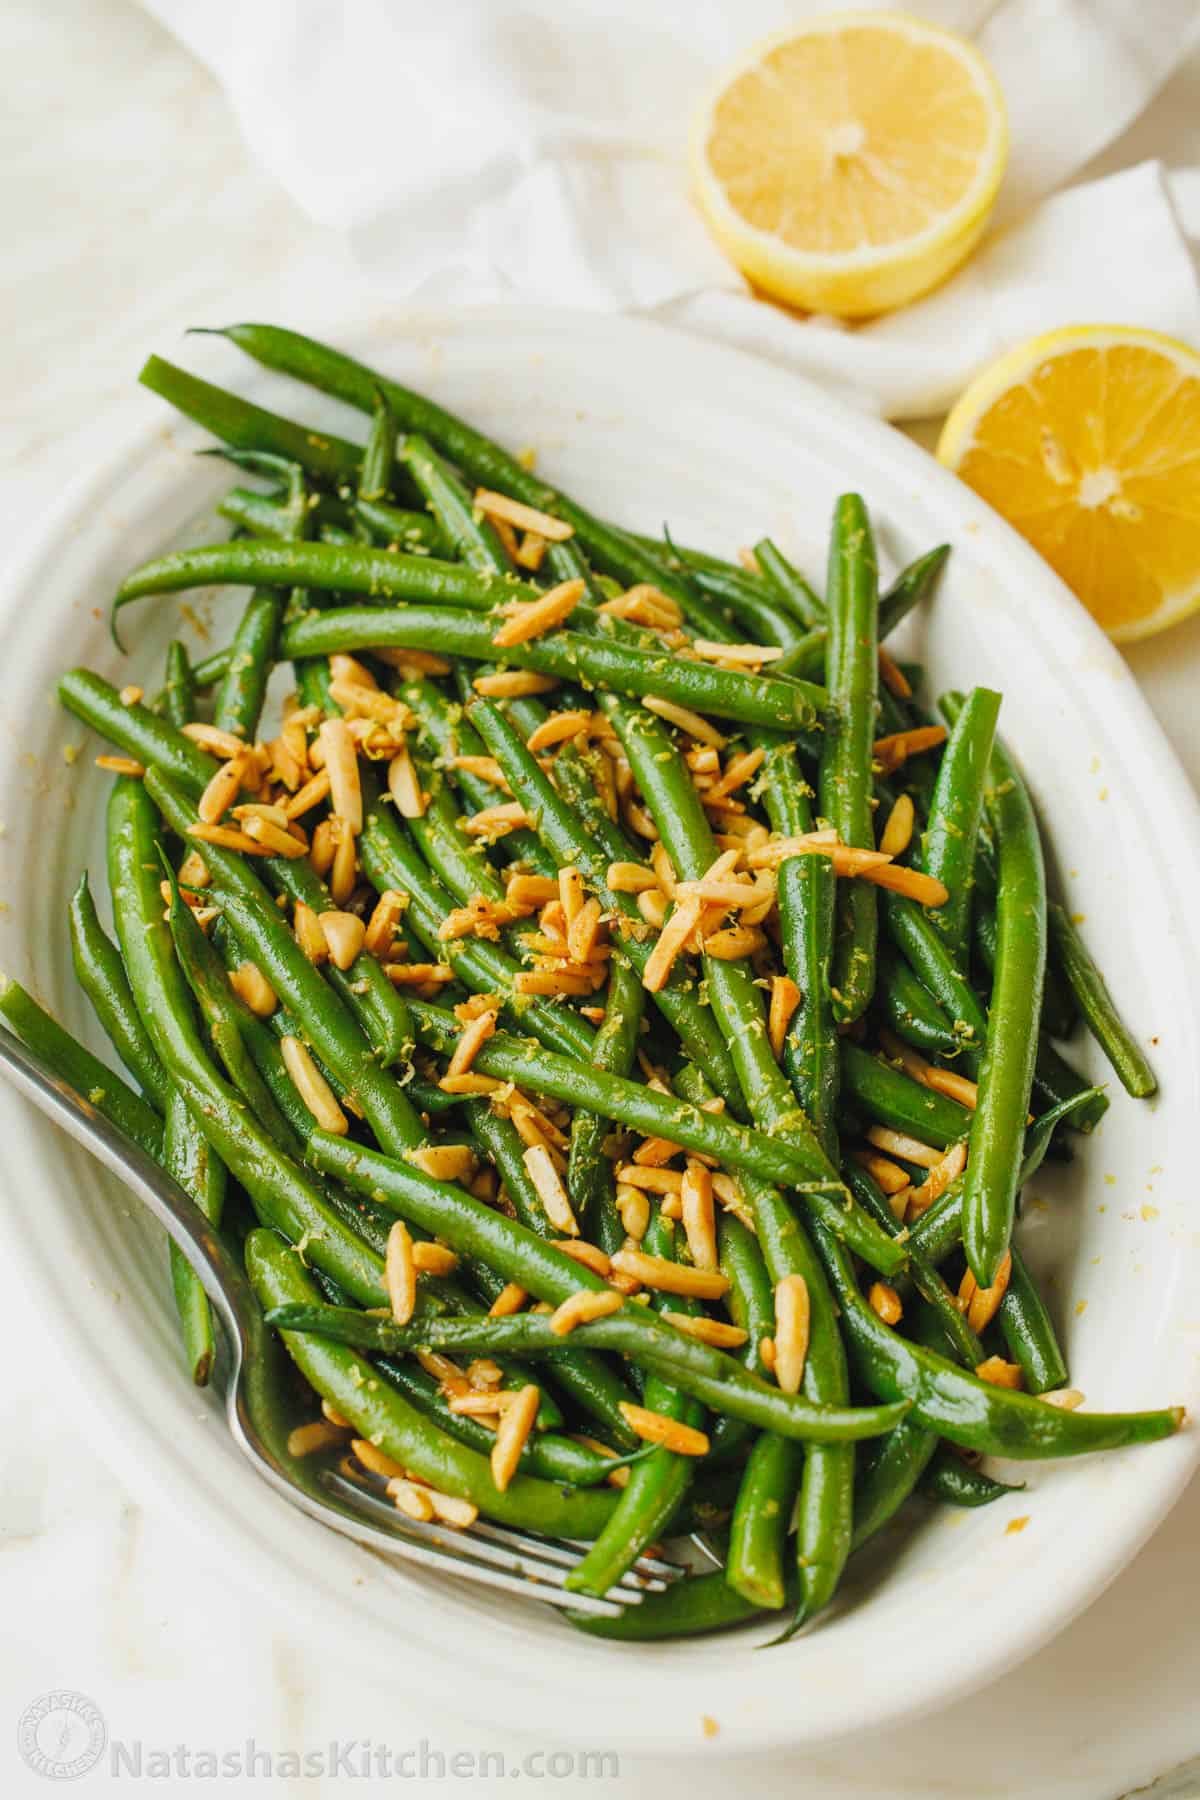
x=274, y=1547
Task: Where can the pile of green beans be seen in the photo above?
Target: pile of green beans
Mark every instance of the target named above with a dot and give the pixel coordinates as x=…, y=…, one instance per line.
x=773, y=1182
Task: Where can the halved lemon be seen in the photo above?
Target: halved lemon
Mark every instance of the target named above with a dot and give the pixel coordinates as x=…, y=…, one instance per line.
x=1088, y=441
x=851, y=163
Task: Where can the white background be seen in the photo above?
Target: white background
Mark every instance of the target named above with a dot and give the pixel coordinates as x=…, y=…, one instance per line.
x=129, y=211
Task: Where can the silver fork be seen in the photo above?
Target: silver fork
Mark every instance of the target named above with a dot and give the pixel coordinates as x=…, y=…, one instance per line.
x=256, y=1404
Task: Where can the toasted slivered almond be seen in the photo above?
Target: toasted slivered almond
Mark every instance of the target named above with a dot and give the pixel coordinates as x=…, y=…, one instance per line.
x=892, y=675
x=734, y=943
x=926, y=890
x=450, y=1509
x=480, y=1405
x=219, y=743
x=344, y=667
x=358, y=701
x=324, y=846
x=341, y=762
x=550, y=1189
x=445, y=1371
x=570, y=893
x=672, y=1434
x=516, y=1423
x=785, y=998
x=528, y=619
x=687, y=720
x=533, y=1125
x=227, y=839
x=736, y=655
x=664, y=868
x=443, y=1162
x=474, y=1005
x=531, y=551
x=897, y=833
x=581, y=1307
x=434, y=1259
x=707, y=1331
x=651, y=1153
x=311, y=1439
x=584, y=931
x=671, y=940
x=556, y=729
x=792, y=1311
x=482, y=1372
x=669, y=1277
x=653, y=905
x=312, y=1087
x=309, y=935
x=400, y=1272
x=514, y=684
x=120, y=765
x=528, y=892
x=633, y=1210
x=889, y=752
x=376, y=1460
x=954, y=1086
x=485, y=768
x=886, y=1174
x=345, y=935
x=252, y=986
x=947, y=1169
x=552, y=981
x=982, y=1304
x=410, y=1498
x=261, y=809
x=276, y=842
x=509, y=1300
x=194, y=871
x=525, y=518
x=766, y=1354
x=222, y=790
x=650, y=1177
x=494, y=821
x=412, y=663
x=472, y=1039
x=885, y=1301
x=999, y=1373
x=343, y=871
x=1066, y=1398
x=381, y=926
x=696, y=1203
x=630, y=878
x=738, y=771
x=404, y=786
x=898, y=1143
x=470, y=1084
x=591, y=1256
x=702, y=759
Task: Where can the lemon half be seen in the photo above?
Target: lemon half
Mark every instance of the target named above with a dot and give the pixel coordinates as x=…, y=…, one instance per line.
x=851, y=163
x=1087, y=440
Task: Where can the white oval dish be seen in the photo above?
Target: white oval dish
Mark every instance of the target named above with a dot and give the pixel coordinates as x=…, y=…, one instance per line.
x=649, y=426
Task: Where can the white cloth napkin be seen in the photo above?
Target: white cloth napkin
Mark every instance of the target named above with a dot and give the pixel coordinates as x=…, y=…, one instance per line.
x=482, y=149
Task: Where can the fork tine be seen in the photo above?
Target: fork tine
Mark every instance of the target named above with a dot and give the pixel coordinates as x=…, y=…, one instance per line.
x=648, y=1574
x=539, y=1578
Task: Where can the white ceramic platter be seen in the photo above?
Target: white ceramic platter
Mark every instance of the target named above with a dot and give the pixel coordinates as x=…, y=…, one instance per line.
x=648, y=426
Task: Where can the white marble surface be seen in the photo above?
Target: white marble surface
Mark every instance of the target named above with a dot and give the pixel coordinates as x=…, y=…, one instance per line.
x=130, y=210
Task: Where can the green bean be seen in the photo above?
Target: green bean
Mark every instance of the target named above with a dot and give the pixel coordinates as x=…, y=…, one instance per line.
x=1028, y=1331
x=240, y=423
x=1097, y=1006
x=762, y=1516
x=597, y=662
x=360, y=569
x=240, y=697
x=963, y=1345
x=708, y=1375
x=658, y=1486
x=806, y=893
x=283, y=1195
x=913, y=584
x=378, y=471
x=960, y=1407
x=789, y=584
x=850, y=731
x=954, y=1482
x=381, y=1414
x=750, y=1303
x=755, y=608
x=69, y=1059
x=948, y=843
x=1006, y=1076
x=589, y=1172
x=688, y=1608
x=896, y=1100
x=924, y=947
x=178, y=698
x=398, y=528
x=786, y=793
x=209, y=670
x=896, y=1466
x=1055, y=1081
x=473, y=539
x=190, y=1159
x=101, y=974
x=590, y=843
x=906, y=1004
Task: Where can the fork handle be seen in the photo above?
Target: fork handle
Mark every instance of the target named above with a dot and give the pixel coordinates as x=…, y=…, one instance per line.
x=219, y=1273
